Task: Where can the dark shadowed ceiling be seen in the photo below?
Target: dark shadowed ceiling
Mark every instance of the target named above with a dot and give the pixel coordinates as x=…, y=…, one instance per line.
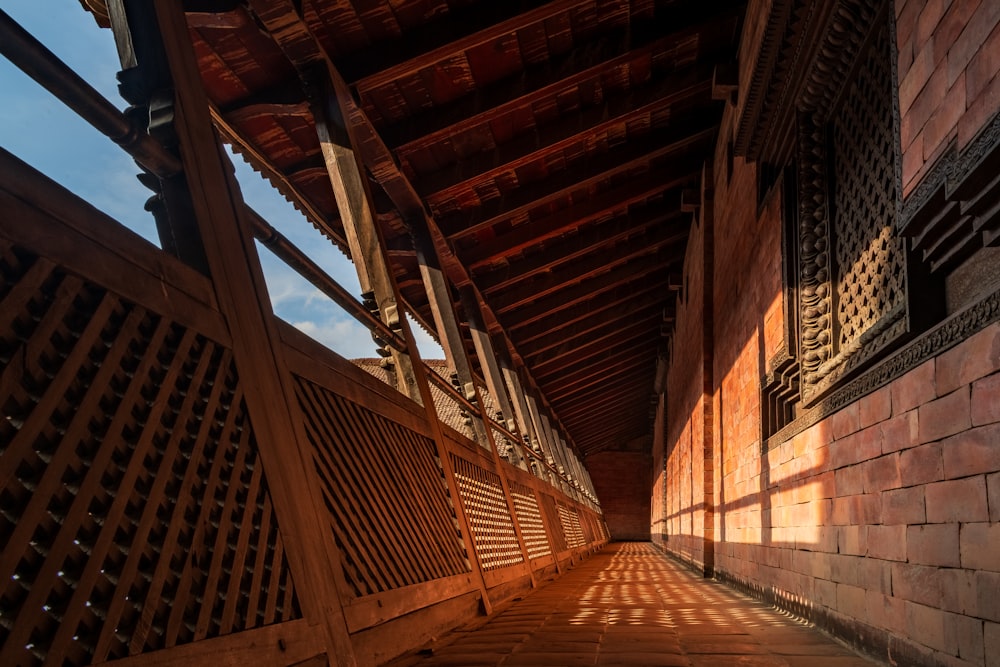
x=552, y=149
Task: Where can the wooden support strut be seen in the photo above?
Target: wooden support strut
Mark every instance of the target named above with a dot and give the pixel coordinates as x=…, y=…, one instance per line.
x=243, y=301
x=353, y=201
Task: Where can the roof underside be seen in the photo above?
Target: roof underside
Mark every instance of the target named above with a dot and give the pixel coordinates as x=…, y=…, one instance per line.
x=551, y=143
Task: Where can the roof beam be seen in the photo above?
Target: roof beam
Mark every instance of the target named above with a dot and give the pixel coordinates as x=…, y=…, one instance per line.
x=639, y=250
x=587, y=243
x=516, y=20
x=685, y=145
x=621, y=269
x=575, y=355
x=602, y=319
x=657, y=98
x=670, y=31
x=647, y=293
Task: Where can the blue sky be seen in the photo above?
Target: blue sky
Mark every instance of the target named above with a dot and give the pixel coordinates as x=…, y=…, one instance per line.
x=40, y=130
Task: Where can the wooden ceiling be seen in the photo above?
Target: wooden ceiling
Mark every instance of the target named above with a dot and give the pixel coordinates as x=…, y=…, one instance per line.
x=550, y=148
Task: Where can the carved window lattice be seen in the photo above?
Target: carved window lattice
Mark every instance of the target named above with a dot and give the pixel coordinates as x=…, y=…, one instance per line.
x=489, y=518
x=135, y=511
x=852, y=295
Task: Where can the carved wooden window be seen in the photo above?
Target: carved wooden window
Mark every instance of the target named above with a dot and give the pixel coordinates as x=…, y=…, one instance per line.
x=852, y=266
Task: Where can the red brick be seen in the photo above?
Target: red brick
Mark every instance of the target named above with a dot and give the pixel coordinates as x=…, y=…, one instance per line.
x=980, y=546
x=907, y=13
x=825, y=593
x=921, y=465
x=919, y=71
x=957, y=500
x=943, y=124
x=887, y=542
x=864, y=509
x=850, y=481
x=933, y=544
x=853, y=540
x=972, y=452
x=952, y=24
x=928, y=20
x=885, y=611
x=958, y=591
x=875, y=407
x=846, y=422
x=976, y=32
x=991, y=644
x=882, y=473
x=926, y=102
x=913, y=389
x=945, y=416
x=903, y=506
x=857, y=447
x=851, y=601
x=980, y=110
x=926, y=625
x=986, y=400
x=984, y=65
x=973, y=358
x=987, y=598
x=900, y=432
x=968, y=633
x=917, y=583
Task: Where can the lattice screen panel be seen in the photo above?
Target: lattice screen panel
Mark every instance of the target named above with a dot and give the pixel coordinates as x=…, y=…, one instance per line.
x=871, y=287
x=135, y=512
x=554, y=521
x=529, y=518
x=489, y=518
x=571, y=526
x=385, y=493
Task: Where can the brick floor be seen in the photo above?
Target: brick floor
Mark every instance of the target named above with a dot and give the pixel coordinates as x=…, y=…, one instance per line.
x=629, y=605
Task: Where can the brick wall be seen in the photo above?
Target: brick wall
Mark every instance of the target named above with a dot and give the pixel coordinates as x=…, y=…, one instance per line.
x=623, y=482
x=949, y=56
x=881, y=522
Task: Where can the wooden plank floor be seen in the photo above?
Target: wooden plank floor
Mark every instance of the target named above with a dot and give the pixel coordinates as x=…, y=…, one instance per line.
x=629, y=605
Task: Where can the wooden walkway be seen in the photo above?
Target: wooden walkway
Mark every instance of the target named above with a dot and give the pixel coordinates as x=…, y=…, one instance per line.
x=629, y=605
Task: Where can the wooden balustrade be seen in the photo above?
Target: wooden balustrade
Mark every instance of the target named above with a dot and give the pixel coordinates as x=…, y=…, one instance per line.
x=137, y=517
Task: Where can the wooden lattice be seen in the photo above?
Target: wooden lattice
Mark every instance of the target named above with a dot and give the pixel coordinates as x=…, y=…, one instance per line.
x=529, y=518
x=570, y=521
x=852, y=292
x=553, y=519
x=869, y=255
x=489, y=518
x=135, y=512
x=388, y=505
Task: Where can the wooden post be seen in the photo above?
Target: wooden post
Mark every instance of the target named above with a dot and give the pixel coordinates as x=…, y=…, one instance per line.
x=244, y=302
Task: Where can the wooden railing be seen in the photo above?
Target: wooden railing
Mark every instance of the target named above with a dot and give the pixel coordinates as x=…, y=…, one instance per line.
x=136, y=511
x=138, y=523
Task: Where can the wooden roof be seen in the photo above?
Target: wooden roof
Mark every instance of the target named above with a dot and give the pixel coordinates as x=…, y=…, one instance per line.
x=550, y=144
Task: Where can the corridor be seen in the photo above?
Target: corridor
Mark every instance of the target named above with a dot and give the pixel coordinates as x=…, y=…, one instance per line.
x=630, y=605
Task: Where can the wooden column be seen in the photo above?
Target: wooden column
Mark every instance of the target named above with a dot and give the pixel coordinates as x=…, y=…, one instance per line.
x=243, y=300
x=521, y=408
